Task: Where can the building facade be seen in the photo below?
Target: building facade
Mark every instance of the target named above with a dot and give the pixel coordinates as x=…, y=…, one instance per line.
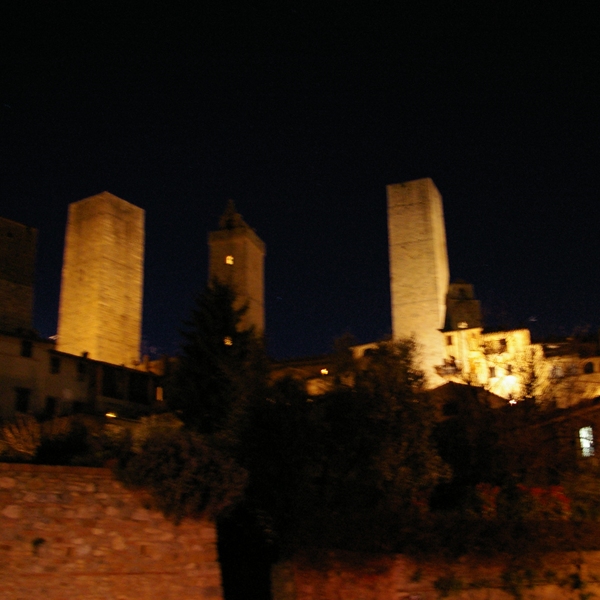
x=17, y=270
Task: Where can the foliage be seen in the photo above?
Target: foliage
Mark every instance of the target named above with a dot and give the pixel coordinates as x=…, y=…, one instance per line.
x=62, y=440
x=221, y=365
x=346, y=466
x=23, y=436
x=186, y=475
x=191, y=463
x=154, y=426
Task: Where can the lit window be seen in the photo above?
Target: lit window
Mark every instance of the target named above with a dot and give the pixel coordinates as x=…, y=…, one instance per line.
x=229, y=259
x=324, y=371
x=586, y=441
x=228, y=341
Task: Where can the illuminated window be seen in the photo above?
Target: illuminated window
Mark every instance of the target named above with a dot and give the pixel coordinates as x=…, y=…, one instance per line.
x=229, y=259
x=586, y=441
x=228, y=341
x=324, y=372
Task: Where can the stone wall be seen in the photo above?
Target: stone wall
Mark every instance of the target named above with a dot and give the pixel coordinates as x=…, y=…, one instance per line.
x=76, y=532
x=335, y=576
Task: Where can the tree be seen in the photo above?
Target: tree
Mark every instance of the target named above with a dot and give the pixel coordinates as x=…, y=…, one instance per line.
x=192, y=467
x=352, y=465
x=221, y=366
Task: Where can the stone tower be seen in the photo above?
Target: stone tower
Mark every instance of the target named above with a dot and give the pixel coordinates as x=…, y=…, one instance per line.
x=102, y=278
x=17, y=265
x=419, y=271
x=237, y=257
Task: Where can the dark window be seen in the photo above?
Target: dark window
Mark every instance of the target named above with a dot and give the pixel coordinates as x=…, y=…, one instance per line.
x=509, y=369
x=492, y=371
x=81, y=370
x=77, y=407
x=588, y=367
x=26, y=348
x=23, y=395
x=113, y=382
x=502, y=345
x=449, y=340
x=50, y=407
x=54, y=365
x=139, y=388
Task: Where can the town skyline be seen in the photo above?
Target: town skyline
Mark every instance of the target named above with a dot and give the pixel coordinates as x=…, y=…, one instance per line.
x=303, y=119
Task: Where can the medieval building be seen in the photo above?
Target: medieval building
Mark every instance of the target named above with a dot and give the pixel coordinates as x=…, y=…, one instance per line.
x=237, y=257
x=94, y=365
x=100, y=311
x=95, y=362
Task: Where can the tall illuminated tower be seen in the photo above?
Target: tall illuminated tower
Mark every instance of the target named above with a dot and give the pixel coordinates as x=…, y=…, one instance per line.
x=237, y=258
x=419, y=273
x=17, y=264
x=102, y=280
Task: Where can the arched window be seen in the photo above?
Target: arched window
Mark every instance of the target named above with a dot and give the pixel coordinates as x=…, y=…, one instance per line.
x=588, y=367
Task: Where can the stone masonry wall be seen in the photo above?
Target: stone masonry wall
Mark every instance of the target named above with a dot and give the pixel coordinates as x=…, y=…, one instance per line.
x=347, y=576
x=76, y=532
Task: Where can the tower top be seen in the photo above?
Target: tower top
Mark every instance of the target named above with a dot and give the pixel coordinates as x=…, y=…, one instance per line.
x=231, y=219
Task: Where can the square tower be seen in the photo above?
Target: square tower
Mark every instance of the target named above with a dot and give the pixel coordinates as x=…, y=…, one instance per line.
x=100, y=308
x=17, y=269
x=237, y=257
x=419, y=273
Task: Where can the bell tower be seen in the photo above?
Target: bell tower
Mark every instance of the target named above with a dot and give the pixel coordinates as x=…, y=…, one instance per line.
x=236, y=259
x=419, y=273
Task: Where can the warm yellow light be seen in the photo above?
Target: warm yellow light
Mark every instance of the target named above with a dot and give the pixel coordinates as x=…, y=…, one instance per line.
x=463, y=325
x=112, y=415
x=228, y=341
x=324, y=371
x=159, y=394
x=229, y=259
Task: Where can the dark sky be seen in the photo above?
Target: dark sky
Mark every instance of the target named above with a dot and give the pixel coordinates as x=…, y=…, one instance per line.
x=302, y=116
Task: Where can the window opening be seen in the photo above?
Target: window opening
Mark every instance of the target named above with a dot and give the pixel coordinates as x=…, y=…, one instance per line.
x=586, y=441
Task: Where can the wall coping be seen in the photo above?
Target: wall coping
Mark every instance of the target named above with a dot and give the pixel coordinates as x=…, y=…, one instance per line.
x=33, y=468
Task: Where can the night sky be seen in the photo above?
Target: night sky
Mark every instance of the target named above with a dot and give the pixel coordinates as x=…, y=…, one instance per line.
x=302, y=116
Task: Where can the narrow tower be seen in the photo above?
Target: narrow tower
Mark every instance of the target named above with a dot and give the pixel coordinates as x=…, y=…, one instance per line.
x=237, y=258
x=101, y=292
x=17, y=265
x=419, y=271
